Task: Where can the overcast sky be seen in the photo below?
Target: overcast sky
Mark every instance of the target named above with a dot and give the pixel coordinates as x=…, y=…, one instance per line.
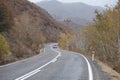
x=90, y=2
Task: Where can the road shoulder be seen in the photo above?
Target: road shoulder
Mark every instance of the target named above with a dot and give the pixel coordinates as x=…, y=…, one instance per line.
x=109, y=71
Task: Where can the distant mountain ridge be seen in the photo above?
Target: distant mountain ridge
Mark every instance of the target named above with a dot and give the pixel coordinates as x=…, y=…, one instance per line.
x=80, y=12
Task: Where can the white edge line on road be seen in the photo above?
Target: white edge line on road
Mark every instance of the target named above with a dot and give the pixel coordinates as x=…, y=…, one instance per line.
x=89, y=68
x=39, y=69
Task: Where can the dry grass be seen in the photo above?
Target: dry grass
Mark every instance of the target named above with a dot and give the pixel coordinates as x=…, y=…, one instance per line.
x=114, y=75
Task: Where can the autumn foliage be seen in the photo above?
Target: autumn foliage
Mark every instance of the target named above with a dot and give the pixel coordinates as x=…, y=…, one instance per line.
x=33, y=27
x=101, y=37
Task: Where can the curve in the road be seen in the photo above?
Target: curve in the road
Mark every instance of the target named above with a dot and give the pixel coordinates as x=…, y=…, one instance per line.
x=89, y=68
x=39, y=69
x=52, y=61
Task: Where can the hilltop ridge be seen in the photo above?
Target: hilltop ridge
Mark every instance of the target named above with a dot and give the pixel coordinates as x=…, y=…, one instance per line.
x=77, y=12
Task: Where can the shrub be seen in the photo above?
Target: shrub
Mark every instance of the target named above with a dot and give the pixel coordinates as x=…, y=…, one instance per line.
x=3, y=48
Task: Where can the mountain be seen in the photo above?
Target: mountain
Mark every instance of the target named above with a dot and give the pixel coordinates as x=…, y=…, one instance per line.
x=79, y=13
x=33, y=27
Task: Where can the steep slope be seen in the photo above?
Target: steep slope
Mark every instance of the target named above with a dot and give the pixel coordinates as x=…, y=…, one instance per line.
x=79, y=13
x=32, y=27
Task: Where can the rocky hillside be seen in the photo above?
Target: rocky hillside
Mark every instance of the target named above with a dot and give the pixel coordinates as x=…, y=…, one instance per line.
x=32, y=27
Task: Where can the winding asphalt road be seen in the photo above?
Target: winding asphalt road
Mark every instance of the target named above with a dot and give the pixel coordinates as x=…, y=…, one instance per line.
x=53, y=64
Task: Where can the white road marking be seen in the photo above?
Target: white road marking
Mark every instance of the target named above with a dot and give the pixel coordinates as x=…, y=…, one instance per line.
x=89, y=68
x=39, y=69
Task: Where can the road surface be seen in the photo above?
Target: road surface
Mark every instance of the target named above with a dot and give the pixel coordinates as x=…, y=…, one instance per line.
x=53, y=64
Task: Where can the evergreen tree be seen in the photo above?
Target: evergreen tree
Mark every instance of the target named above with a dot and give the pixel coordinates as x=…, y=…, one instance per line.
x=6, y=19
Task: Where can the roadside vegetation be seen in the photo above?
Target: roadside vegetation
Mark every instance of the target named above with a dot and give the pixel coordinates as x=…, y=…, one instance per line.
x=102, y=37
x=24, y=29
x=4, y=49
x=6, y=21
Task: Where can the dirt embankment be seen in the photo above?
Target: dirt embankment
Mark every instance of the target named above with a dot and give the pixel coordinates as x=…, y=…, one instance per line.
x=114, y=75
